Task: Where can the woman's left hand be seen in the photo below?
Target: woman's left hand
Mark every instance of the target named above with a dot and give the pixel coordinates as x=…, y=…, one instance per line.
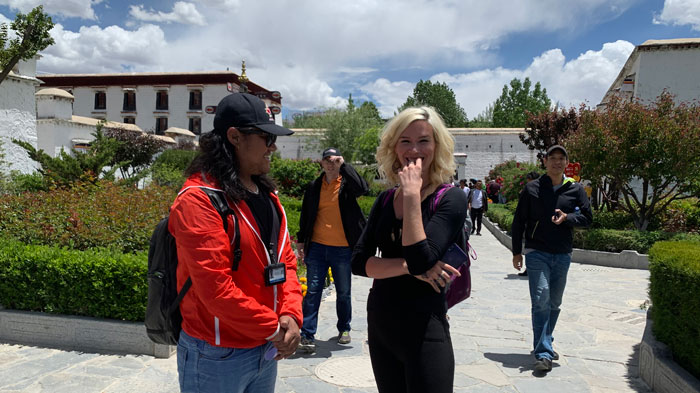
x=410, y=176
x=438, y=276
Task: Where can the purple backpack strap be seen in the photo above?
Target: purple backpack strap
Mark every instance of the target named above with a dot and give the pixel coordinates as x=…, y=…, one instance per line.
x=387, y=197
x=440, y=190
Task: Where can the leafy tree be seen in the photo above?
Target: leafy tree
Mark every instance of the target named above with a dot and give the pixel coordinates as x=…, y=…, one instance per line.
x=66, y=169
x=439, y=96
x=347, y=129
x=548, y=128
x=483, y=119
x=509, y=110
x=136, y=149
x=32, y=32
x=631, y=143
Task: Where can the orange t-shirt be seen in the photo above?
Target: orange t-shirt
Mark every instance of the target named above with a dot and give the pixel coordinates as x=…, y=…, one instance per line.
x=328, y=228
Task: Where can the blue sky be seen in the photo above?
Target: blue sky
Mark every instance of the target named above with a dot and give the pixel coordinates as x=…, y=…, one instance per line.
x=317, y=52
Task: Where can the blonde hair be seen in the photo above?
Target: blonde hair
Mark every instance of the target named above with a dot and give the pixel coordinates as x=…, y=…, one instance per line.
x=443, y=165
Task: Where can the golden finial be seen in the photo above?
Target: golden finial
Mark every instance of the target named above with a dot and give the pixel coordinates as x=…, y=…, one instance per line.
x=243, y=77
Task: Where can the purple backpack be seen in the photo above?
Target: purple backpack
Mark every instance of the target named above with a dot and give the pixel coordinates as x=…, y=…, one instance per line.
x=460, y=287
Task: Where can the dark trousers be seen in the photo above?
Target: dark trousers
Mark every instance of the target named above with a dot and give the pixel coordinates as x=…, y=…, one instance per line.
x=410, y=352
x=476, y=215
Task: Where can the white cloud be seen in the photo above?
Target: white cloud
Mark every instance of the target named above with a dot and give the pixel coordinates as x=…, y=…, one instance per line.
x=584, y=79
x=67, y=8
x=679, y=13
x=108, y=50
x=306, y=49
x=183, y=12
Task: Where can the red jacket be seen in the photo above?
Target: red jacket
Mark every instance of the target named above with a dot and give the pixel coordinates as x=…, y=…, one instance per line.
x=223, y=307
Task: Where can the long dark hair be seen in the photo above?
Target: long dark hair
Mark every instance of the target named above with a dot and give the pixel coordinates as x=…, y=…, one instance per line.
x=217, y=158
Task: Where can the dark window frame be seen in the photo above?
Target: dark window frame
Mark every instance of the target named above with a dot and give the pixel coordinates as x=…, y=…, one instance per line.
x=129, y=101
x=100, y=100
x=195, y=125
x=195, y=100
x=162, y=100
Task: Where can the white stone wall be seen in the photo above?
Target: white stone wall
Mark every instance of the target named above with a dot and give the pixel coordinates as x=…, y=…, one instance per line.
x=55, y=134
x=675, y=70
x=178, y=112
x=48, y=106
x=18, y=118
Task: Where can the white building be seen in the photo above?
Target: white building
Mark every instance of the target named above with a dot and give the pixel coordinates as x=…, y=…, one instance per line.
x=656, y=65
x=157, y=101
x=18, y=114
x=58, y=129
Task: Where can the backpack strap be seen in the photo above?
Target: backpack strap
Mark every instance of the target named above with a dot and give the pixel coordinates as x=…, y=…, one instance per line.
x=440, y=191
x=218, y=199
x=387, y=197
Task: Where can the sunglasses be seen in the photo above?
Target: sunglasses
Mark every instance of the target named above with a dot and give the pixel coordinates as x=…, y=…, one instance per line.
x=270, y=139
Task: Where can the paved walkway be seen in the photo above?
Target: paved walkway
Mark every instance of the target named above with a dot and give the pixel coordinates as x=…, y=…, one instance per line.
x=597, y=336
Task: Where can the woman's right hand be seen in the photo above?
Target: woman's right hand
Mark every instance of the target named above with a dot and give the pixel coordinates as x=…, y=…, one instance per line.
x=438, y=276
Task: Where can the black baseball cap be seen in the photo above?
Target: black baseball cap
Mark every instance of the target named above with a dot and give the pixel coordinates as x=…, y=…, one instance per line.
x=245, y=110
x=557, y=147
x=331, y=151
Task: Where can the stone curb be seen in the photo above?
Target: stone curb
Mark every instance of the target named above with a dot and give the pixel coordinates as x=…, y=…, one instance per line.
x=78, y=333
x=657, y=368
x=627, y=259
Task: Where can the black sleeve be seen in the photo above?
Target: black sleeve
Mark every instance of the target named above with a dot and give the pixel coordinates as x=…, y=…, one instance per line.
x=355, y=184
x=519, y=220
x=441, y=230
x=366, y=245
x=586, y=217
x=304, y=216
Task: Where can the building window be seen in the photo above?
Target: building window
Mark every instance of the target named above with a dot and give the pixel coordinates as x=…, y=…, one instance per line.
x=162, y=100
x=196, y=125
x=129, y=101
x=100, y=100
x=195, y=99
x=161, y=125
x=129, y=120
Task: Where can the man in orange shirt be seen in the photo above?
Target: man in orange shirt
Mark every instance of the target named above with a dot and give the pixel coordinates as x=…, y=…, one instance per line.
x=331, y=222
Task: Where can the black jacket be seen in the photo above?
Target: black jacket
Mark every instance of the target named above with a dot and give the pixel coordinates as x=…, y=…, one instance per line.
x=533, y=216
x=484, y=200
x=351, y=186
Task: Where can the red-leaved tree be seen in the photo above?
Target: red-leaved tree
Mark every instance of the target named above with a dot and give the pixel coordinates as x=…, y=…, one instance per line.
x=651, y=151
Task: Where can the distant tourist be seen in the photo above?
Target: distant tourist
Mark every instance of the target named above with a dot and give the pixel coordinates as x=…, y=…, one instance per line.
x=408, y=333
x=548, y=209
x=478, y=204
x=331, y=221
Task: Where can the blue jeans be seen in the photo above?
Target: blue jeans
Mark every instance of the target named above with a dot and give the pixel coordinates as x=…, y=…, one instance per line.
x=205, y=368
x=319, y=258
x=546, y=274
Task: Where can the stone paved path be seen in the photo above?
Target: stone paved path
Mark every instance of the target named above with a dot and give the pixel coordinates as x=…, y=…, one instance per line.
x=597, y=336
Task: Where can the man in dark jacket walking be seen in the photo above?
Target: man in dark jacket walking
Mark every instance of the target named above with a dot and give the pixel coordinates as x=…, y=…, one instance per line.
x=548, y=210
x=331, y=222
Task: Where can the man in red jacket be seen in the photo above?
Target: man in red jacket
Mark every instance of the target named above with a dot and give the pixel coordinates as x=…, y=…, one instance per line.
x=239, y=318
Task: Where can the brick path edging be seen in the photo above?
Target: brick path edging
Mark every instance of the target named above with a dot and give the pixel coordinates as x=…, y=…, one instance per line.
x=78, y=333
x=628, y=259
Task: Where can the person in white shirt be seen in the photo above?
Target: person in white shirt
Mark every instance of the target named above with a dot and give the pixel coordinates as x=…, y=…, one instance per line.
x=478, y=204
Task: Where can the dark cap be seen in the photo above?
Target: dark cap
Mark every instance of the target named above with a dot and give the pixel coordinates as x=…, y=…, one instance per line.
x=245, y=110
x=557, y=147
x=331, y=151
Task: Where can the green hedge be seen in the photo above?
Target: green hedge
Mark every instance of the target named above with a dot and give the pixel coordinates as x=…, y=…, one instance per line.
x=95, y=283
x=610, y=240
x=675, y=296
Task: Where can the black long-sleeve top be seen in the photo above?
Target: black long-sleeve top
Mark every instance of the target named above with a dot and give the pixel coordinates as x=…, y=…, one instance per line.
x=383, y=232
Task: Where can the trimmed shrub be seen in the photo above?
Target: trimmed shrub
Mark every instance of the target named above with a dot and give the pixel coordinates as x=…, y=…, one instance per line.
x=500, y=215
x=293, y=176
x=169, y=168
x=366, y=202
x=86, y=216
x=675, y=296
x=95, y=283
x=612, y=220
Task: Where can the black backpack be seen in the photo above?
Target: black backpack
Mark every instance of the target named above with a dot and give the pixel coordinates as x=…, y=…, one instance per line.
x=163, y=318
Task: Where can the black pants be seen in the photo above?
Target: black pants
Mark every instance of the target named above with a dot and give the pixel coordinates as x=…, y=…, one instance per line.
x=410, y=352
x=476, y=215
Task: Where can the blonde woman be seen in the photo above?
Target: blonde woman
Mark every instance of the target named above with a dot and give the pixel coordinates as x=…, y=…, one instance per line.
x=408, y=332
